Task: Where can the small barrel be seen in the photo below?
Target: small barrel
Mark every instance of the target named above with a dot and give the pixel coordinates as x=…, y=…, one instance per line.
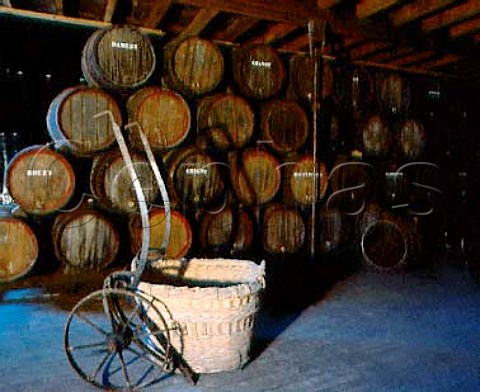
x=18, y=248
x=227, y=119
x=411, y=139
x=255, y=176
x=283, y=228
x=112, y=186
x=258, y=71
x=195, y=178
x=392, y=92
x=284, y=124
x=192, y=65
x=385, y=239
x=162, y=114
x=84, y=240
x=377, y=137
x=40, y=180
x=227, y=231
x=305, y=181
x=119, y=59
x=180, y=240
x=72, y=125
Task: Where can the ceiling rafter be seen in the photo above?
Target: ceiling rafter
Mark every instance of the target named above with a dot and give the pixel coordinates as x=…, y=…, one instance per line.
x=451, y=16
x=416, y=10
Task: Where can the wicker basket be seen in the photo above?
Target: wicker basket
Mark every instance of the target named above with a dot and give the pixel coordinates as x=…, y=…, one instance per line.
x=212, y=305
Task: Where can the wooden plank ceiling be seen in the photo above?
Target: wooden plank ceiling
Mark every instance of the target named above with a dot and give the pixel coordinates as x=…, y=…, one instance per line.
x=424, y=36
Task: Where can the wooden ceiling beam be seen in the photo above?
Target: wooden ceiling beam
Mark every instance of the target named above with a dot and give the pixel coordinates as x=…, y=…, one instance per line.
x=294, y=11
x=200, y=21
x=109, y=10
x=369, y=47
x=274, y=33
x=416, y=10
x=367, y=8
x=327, y=4
x=297, y=45
x=468, y=27
x=391, y=54
x=237, y=27
x=451, y=16
x=156, y=14
x=412, y=58
x=441, y=61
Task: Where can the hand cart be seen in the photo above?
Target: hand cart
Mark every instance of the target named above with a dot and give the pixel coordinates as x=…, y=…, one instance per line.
x=110, y=338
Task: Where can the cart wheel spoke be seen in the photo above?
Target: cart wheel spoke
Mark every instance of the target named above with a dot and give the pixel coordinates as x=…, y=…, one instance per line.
x=120, y=317
x=124, y=369
x=92, y=324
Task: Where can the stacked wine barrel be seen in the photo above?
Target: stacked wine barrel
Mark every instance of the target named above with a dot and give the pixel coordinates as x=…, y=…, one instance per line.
x=232, y=130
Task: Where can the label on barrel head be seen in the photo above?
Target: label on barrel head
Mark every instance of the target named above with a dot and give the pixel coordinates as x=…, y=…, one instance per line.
x=125, y=45
x=39, y=173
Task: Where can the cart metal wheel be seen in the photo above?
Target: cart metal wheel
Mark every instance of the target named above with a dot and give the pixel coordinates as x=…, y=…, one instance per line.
x=112, y=342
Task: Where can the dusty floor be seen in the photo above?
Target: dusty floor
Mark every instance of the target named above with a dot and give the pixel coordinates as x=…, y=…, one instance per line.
x=371, y=331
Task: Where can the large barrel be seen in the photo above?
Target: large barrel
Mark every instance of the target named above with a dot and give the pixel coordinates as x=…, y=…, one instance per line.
x=180, y=240
x=351, y=184
x=18, y=248
x=354, y=90
x=162, y=114
x=195, y=177
x=71, y=122
x=84, y=240
x=332, y=230
x=40, y=180
x=385, y=239
x=227, y=119
x=411, y=139
x=255, y=176
x=284, y=124
x=302, y=76
x=283, y=229
x=377, y=137
x=120, y=59
x=393, y=93
x=305, y=181
x=112, y=186
x=258, y=71
x=192, y=65
x=227, y=232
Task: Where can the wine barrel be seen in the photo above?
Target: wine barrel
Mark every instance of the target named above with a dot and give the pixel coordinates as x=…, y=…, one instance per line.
x=120, y=59
x=351, y=184
x=180, y=240
x=192, y=65
x=302, y=76
x=385, y=239
x=84, y=240
x=393, y=93
x=195, y=178
x=354, y=90
x=411, y=139
x=228, y=119
x=162, y=114
x=284, y=124
x=255, y=176
x=228, y=231
x=258, y=71
x=305, y=181
x=18, y=248
x=40, y=180
x=72, y=125
x=332, y=230
x=376, y=136
x=283, y=229
x=112, y=186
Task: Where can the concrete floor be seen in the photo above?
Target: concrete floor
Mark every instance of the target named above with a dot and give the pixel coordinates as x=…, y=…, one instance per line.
x=370, y=331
